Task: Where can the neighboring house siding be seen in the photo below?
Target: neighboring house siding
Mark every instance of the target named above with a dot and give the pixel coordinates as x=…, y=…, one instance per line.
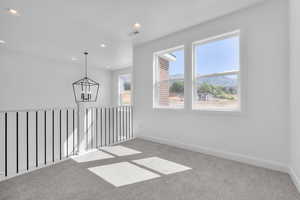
x=164, y=82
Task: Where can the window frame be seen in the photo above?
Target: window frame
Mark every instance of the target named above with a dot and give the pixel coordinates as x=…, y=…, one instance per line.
x=119, y=89
x=239, y=74
x=155, y=93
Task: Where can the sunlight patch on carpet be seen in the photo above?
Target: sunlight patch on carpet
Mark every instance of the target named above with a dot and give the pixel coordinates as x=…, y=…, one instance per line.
x=161, y=165
x=123, y=173
x=92, y=156
x=120, y=150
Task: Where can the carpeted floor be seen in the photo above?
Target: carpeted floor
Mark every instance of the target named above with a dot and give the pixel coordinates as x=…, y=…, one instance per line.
x=210, y=178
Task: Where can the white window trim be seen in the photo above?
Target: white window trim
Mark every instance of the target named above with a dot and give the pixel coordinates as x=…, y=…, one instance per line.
x=119, y=89
x=240, y=74
x=155, y=95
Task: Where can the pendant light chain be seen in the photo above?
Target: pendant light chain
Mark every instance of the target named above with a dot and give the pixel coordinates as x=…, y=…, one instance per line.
x=86, y=53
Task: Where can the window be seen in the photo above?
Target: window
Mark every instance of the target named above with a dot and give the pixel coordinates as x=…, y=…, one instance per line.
x=125, y=89
x=216, y=77
x=169, y=78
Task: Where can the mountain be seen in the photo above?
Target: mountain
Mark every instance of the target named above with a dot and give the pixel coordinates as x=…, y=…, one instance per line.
x=225, y=81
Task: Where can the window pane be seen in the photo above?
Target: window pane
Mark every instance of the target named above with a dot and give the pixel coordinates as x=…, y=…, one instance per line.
x=217, y=92
x=171, y=93
x=125, y=89
x=216, y=85
x=218, y=56
x=170, y=79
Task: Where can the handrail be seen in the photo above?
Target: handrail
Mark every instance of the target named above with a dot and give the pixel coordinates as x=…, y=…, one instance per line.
x=37, y=109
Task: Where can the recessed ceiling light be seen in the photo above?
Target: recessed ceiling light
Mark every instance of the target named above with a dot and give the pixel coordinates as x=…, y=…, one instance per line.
x=74, y=58
x=13, y=12
x=2, y=42
x=103, y=45
x=136, y=29
x=137, y=25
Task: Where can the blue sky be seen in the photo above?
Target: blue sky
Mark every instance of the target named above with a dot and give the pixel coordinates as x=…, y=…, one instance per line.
x=217, y=56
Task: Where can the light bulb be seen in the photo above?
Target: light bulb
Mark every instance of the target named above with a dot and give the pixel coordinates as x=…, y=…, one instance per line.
x=13, y=12
x=137, y=26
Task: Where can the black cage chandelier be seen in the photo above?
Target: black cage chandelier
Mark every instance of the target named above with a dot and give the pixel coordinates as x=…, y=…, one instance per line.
x=85, y=89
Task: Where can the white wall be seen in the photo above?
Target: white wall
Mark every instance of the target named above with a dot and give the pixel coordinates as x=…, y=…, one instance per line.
x=33, y=82
x=260, y=134
x=115, y=84
x=294, y=89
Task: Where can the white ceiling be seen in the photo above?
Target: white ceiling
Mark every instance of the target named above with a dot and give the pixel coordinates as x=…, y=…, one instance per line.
x=61, y=29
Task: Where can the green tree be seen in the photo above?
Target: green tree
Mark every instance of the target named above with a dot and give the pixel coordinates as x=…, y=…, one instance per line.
x=216, y=91
x=127, y=86
x=205, y=88
x=177, y=87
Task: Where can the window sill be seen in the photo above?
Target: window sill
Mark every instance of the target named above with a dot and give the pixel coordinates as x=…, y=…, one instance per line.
x=219, y=112
x=204, y=112
x=167, y=108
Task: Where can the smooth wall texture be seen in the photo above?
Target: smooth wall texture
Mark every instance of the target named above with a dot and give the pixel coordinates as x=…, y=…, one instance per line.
x=29, y=82
x=294, y=89
x=258, y=135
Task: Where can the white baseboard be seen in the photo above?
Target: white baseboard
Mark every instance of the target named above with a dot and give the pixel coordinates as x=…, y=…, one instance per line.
x=295, y=178
x=273, y=165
